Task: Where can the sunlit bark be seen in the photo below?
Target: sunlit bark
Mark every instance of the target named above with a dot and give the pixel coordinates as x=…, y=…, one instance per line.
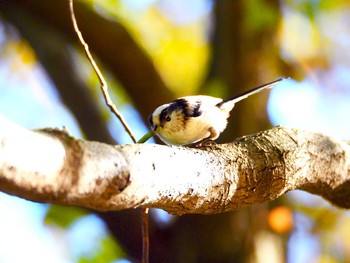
x=50, y=166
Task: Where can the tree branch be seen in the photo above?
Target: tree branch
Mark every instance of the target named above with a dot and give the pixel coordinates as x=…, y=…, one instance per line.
x=50, y=166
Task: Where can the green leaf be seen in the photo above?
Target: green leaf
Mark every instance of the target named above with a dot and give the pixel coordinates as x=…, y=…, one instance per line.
x=109, y=252
x=64, y=216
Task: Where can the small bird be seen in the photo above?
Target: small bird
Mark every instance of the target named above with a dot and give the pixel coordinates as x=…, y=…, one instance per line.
x=196, y=119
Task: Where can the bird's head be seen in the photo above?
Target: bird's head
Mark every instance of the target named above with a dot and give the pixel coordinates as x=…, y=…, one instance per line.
x=166, y=118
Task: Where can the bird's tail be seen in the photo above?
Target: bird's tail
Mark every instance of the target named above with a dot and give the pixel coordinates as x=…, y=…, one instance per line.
x=246, y=94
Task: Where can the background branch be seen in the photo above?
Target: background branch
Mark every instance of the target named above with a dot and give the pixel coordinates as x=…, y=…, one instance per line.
x=74, y=92
x=108, y=40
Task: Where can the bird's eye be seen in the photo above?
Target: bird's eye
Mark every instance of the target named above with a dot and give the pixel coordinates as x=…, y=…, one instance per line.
x=167, y=118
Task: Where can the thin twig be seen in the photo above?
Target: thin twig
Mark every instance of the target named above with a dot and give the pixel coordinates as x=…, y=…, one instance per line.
x=145, y=237
x=104, y=86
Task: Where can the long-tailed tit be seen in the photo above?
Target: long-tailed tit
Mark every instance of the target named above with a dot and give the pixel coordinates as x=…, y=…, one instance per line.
x=196, y=119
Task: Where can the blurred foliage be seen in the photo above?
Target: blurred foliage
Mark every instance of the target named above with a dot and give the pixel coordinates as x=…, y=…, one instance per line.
x=324, y=218
x=309, y=35
x=103, y=249
x=180, y=51
x=255, y=20
x=109, y=252
x=330, y=226
x=20, y=53
x=23, y=51
x=311, y=8
x=64, y=216
x=280, y=219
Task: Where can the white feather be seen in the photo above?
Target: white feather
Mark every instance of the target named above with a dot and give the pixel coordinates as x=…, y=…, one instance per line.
x=207, y=121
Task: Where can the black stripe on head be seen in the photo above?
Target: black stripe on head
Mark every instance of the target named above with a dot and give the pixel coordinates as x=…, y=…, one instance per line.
x=164, y=114
x=188, y=110
x=150, y=120
x=176, y=105
x=181, y=105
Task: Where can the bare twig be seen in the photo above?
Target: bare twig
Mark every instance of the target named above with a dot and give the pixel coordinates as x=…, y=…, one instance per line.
x=104, y=86
x=145, y=238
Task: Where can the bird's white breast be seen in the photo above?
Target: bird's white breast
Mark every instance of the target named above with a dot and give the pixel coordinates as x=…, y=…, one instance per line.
x=198, y=128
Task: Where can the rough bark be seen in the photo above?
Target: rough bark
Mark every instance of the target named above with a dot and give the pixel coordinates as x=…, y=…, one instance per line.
x=50, y=166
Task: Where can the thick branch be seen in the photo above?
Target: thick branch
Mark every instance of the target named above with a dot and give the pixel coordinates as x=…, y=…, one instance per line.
x=50, y=166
